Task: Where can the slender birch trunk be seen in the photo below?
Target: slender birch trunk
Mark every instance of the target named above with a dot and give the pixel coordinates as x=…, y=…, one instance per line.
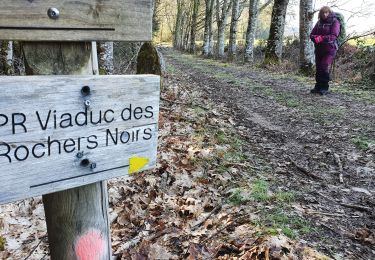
x=207, y=39
x=306, y=52
x=222, y=12
x=232, y=47
x=251, y=29
x=105, y=58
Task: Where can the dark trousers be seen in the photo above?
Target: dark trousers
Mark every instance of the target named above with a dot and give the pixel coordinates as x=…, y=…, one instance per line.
x=323, y=64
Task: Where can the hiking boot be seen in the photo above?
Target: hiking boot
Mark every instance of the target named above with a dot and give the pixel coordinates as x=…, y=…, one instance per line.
x=316, y=89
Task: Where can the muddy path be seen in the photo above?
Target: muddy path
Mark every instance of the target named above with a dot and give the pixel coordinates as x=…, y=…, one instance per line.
x=319, y=147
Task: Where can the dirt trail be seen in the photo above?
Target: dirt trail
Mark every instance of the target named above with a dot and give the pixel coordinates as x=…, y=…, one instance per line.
x=310, y=141
x=249, y=166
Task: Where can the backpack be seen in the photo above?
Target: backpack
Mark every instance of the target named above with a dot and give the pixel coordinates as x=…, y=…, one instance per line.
x=342, y=35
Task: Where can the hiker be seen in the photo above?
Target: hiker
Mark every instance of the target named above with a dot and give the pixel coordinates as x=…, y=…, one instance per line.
x=324, y=36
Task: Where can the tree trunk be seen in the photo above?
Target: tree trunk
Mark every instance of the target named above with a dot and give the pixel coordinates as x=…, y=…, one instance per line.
x=155, y=18
x=18, y=61
x=6, y=57
x=232, y=48
x=221, y=19
x=194, y=26
x=275, y=41
x=208, y=28
x=178, y=30
x=186, y=31
x=105, y=58
x=306, y=53
x=251, y=29
x=77, y=219
x=211, y=46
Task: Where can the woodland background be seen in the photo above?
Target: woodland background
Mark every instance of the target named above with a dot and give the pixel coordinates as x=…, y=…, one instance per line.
x=272, y=34
x=250, y=165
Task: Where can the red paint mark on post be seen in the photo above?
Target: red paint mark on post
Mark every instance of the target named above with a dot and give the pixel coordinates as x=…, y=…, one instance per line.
x=90, y=246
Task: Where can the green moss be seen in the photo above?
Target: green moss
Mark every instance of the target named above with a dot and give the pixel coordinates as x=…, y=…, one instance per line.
x=148, y=61
x=2, y=243
x=271, y=60
x=102, y=71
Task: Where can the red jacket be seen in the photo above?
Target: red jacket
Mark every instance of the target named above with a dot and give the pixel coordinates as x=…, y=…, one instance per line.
x=329, y=29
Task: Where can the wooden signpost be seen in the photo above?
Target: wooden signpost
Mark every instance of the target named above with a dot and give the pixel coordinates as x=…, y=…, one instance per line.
x=60, y=132
x=80, y=20
x=70, y=131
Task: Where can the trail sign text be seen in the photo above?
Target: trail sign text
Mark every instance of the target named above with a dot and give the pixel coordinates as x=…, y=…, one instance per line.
x=60, y=132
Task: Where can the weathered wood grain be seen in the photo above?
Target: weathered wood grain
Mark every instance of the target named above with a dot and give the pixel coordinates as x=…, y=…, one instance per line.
x=81, y=20
x=76, y=213
x=80, y=214
x=36, y=97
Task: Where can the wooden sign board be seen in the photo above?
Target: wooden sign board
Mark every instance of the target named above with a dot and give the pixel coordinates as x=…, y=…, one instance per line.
x=81, y=20
x=60, y=132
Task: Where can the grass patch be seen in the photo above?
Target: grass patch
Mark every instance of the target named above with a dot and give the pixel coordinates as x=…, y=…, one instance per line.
x=199, y=111
x=358, y=93
x=287, y=100
x=228, y=77
x=228, y=149
x=171, y=69
x=284, y=197
x=277, y=220
x=221, y=75
x=324, y=115
x=259, y=190
x=261, y=89
x=238, y=197
x=362, y=142
x=284, y=99
x=221, y=137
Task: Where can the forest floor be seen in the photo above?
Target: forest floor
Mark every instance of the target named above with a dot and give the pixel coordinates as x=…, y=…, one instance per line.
x=250, y=165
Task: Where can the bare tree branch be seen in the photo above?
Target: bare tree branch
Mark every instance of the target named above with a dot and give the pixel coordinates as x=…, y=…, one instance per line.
x=354, y=37
x=264, y=6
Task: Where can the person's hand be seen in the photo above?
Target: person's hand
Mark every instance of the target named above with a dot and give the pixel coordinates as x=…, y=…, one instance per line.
x=318, y=39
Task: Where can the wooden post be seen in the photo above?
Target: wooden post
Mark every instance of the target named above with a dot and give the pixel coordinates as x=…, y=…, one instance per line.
x=77, y=219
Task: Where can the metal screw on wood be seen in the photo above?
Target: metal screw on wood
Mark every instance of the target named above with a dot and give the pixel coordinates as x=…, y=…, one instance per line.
x=93, y=166
x=53, y=13
x=87, y=103
x=80, y=155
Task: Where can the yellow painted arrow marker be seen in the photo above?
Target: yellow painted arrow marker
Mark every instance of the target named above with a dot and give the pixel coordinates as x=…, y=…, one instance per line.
x=137, y=163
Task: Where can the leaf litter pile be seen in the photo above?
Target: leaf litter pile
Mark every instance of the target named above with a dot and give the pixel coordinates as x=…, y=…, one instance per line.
x=213, y=195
